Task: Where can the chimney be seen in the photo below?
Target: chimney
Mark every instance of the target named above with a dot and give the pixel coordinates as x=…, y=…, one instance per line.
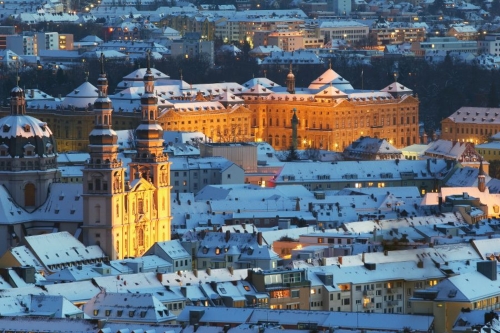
x=195, y=272
x=297, y=205
x=386, y=253
x=208, y=271
x=340, y=259
x=420, y=264
x=159, y=277
x=363, y=257
x=259, y=238
x=228, y=235
x=231, y=270
x=488, y=268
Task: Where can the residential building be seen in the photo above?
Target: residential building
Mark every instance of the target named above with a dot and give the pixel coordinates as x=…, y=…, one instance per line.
x=449, y=297
x=366, y=148
x=237, y=250
x=461, y=152
x=241, y=153
x=425, y=175
x=173, y=252
x=397, y=35
x=448, y=44
x=351, y=31
x=463, y=32
x=490, y=151
x=288, y=289
x=286, y=40
x=190, y=174
x=128, y=308
x=193, y=46
x=339, y=7
x=490, y=44
x=471, y=124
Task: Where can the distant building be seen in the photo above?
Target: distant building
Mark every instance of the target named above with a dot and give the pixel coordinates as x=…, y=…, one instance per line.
x=490, y=44
x=448, y=44
x=471, y=124
x=193, y=46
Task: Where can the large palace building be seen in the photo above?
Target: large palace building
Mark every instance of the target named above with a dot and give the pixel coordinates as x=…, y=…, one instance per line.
x=331, y=113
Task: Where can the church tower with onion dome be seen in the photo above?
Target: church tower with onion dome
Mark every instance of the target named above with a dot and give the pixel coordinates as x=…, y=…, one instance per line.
x=28, y=154
x=104, y=179
x=150, y=174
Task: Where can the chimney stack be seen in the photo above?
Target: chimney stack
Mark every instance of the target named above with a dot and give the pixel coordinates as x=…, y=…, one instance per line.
x=259, y=238
x=228, y=235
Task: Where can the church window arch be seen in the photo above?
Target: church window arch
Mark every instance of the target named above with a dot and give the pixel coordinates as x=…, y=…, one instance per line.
x=277, y=140
x=283, y=140
x=151, y=115
x=270, y=139
x=140, y=237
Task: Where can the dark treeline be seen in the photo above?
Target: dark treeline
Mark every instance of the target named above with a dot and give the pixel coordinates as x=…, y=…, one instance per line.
x=441, y=88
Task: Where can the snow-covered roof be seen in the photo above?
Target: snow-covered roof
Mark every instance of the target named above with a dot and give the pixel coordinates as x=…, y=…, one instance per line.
x=330, y=76
x=142, y=307
x=81, y=97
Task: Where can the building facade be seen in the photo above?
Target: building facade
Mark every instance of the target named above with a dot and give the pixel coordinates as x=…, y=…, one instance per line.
x=126, y=219
x=471, y=124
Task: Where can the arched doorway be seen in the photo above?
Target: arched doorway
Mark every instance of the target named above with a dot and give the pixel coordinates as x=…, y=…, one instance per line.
x=29, y=195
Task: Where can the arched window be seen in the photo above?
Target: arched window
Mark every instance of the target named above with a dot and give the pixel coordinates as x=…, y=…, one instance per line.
x=277, y=140
x=151, y=115
x=140, y=237
x=29, y=195
x=283, y=140
x=270, y=140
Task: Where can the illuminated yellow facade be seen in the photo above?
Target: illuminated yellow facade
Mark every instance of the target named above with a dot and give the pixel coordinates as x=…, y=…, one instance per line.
x=218, y=123
x=332, y=123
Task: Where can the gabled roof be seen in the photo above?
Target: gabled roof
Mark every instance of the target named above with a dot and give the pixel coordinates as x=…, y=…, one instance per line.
x=132, y=307
x=82, y=96
x=69, y=249
x=257, y=90
x=396, y=87
x=330, y=76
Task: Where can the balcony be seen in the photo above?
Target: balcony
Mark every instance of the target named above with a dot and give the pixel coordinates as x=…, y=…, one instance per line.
x=369, y=305
x=368, y=292
x=392, y=303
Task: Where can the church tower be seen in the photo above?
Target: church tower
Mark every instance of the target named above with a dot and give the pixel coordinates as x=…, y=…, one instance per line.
x=290, y=81
x=150, y=174
x=481, y=177
x=103, y=180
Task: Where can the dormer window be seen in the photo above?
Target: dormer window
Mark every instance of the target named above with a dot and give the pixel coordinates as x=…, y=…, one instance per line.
x=6, y=128
x=26, y=128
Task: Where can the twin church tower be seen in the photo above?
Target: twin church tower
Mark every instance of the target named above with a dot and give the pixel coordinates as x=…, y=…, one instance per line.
x=126, y=218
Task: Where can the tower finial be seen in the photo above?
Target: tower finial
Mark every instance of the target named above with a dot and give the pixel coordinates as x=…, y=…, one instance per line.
x=17, y=73
x=148, y=60
x=290, y=68
x=101, y=60
x=330, y=63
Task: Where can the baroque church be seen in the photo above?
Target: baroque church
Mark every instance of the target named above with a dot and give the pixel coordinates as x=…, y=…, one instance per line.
x=125, y=217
